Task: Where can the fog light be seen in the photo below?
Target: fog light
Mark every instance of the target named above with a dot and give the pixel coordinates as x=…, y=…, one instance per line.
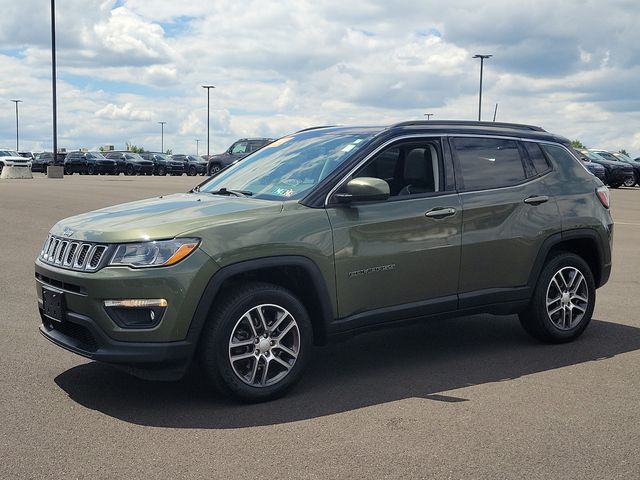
x=136, y=313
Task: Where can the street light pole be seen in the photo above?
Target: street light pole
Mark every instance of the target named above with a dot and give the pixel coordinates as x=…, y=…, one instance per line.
x=428, y=115
x=53, y=81
x=197, y=149
x=17, y=128
x=482, y=58
x=162, y=136
x=208, y=87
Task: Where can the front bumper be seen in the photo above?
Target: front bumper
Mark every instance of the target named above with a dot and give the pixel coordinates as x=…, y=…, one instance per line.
x=88, y=330
x=142, y=168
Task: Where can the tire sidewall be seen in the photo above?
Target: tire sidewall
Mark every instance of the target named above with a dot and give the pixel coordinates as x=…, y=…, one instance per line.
x=215, y=347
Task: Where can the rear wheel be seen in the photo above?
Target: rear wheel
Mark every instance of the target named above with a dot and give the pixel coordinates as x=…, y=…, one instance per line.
x=630, y=181
x=563, y=300
x=91, y=170
x=215, y=168
x=129, y=170
x=68, y=170
x=256, y=342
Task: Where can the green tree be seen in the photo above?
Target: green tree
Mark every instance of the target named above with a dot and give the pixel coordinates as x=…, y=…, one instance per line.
x=101, y=149
x=577, y=144
x=134, y=148
x=623, y=151
x=169, y=151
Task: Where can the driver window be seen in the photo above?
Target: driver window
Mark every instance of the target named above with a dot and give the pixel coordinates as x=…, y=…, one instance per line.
x=409, y=169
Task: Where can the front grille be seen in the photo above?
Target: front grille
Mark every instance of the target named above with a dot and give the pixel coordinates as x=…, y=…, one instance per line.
x=74, y=255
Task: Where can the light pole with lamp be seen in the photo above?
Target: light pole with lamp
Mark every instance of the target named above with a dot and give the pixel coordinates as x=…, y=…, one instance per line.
x=482, y=58
x=17, y=128
x=162, y=124
x=208, y=87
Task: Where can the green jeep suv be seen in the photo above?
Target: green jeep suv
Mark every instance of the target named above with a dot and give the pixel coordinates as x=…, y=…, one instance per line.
x=326, y=232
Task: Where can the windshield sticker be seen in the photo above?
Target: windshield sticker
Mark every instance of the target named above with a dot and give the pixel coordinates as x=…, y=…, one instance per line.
x=349, y=147
x=284, y=192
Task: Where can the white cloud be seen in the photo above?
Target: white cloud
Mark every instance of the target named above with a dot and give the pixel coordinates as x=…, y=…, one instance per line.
x=125, y=112
x=571, y=67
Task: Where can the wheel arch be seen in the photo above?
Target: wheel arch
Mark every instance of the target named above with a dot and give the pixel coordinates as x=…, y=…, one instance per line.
x=298, y=274
x=584, y=242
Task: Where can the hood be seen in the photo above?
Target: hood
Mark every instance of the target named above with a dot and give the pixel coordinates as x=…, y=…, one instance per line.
x=163, y=217
x=15, y=159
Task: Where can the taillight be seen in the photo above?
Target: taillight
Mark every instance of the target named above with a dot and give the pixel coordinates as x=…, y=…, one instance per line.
x=603, y=195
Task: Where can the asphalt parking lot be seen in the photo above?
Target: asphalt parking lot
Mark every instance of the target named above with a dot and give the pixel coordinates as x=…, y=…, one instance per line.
x=472, y=397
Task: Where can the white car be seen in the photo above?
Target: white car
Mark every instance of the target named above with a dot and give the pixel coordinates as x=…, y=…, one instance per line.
x=11, y=158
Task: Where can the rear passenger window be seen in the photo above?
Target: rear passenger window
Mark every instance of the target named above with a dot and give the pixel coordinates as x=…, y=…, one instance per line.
x=488, y=162
x=540, y=164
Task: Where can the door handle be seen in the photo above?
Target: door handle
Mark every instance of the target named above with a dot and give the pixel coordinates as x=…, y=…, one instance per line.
x=536, y=199
x=440, y=212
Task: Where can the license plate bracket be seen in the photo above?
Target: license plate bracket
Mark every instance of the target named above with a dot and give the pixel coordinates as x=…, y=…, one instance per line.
x=53, y=304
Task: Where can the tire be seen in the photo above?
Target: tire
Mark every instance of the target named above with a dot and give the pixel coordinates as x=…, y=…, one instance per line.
x=629, y=181
x=68, y=170
x=162, y=171
x=215, y=168
x=91, y=170
x=192, y=172
x=128, y=170
x=260, y=374
x=563, y=320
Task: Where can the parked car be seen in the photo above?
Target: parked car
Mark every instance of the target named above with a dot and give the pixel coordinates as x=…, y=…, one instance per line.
x=240, y=149
x=595, y=168
x=89, y=163
x=616, y=172
x=11, y=158
x=299, y=243
x=192, y=165
x=163, y=164
x=43, y=160
x=131, y=163
x=29, y=155
x=636, y=168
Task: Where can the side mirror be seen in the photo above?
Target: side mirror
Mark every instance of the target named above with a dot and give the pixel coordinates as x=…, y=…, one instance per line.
x=364, y=189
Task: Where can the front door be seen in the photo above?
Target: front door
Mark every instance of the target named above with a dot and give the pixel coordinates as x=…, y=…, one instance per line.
x=399, y=257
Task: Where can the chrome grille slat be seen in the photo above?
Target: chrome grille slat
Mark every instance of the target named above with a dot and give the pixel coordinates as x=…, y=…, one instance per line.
x=73, y=255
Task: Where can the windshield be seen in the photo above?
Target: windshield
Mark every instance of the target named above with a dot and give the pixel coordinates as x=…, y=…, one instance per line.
x=591, y=155
x=8, y=153
x=608, y=156
x=290, y=166
x=97, y=155
x=133, y=156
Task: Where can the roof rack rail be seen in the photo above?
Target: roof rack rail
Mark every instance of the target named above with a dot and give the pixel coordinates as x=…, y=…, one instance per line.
x=514, y=126
x=315, y=128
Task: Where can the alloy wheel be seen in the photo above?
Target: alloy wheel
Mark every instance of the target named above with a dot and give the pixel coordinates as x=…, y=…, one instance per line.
x=264, y=345
x=567, y=298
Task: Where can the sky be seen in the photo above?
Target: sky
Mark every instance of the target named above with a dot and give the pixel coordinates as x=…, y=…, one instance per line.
x=572, y=67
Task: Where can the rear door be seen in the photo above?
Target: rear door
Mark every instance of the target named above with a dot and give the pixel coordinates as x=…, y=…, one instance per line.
x=507, y=214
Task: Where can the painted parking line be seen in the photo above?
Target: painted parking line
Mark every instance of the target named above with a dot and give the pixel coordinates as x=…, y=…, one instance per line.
x=627, y=223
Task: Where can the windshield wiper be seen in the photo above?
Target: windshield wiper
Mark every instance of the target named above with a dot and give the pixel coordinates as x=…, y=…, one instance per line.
x=236, y=193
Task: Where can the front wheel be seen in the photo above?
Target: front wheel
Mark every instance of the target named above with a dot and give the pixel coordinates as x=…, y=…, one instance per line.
x=68, y=170
x=256, y=342
x=162, y=171
x=630, y=181
x=563, y=300
x=192, y=172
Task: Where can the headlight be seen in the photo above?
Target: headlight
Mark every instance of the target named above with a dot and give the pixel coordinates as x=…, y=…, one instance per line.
x=154, y=254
